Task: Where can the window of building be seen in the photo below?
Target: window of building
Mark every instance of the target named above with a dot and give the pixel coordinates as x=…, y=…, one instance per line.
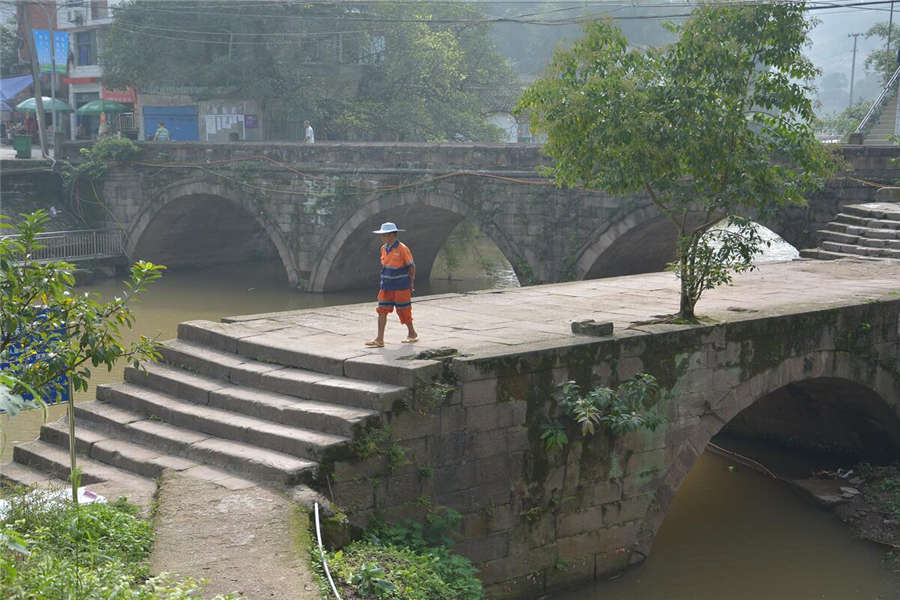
x=99, y=9
x=86, y=47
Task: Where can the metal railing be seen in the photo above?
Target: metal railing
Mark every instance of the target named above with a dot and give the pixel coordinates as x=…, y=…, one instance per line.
x=876, y=106
x=72, y=246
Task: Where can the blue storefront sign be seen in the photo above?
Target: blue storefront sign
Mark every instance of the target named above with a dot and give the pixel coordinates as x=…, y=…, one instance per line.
x=56, y=392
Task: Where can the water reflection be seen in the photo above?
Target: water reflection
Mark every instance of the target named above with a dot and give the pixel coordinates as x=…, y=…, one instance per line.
x=737, y=535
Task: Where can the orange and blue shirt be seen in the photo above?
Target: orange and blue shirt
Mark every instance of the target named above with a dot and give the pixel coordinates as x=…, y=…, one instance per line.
x=396, y=260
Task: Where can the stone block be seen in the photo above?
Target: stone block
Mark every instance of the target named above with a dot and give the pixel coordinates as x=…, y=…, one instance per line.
x=509, y=578
x=487, y=416
x=592, y=328
x=483, y=391
x=483, y=549
x=626, y=510
x=452, y=418
x=609, y=540
x=454, y=478
x=448, y=449
x=410, y=425
x=355, y=494
x=563, y=574
x=571, y=524
x=517, y=438
x=486, y=443
x=494, y=468
x=643, y=462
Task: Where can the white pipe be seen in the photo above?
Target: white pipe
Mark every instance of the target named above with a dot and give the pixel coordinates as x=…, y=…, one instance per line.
x=322, y=554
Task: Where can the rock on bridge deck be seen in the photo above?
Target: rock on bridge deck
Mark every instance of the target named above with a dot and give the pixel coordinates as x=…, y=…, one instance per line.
x=279, y=398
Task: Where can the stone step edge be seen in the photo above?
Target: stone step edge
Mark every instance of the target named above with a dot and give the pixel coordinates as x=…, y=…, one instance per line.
x=13, y=473
x=242, y=372
x=141, y=460
x=859, y=221
x=304, y=385
x=55, y=460
x=303, y=443
x=365, y=366
x=822, y=254
x=878, y=252
x=240, y=459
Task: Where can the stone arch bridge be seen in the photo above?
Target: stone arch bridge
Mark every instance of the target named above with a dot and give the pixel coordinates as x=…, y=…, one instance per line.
x=312, y=207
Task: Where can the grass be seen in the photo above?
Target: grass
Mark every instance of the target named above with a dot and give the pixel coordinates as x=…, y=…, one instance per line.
x=54, y=550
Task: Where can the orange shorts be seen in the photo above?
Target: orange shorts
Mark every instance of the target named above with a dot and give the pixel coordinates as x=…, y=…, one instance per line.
x=388, y=300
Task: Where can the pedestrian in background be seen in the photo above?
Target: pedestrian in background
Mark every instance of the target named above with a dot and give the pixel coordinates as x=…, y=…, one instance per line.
x=162, y=134
x=308, y=135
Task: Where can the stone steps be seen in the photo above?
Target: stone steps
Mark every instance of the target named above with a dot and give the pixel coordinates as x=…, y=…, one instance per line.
x=209, y=363
x=205, y=407
x=136, y=443
x=54, y=460
x=861, y=231
x=150, y=403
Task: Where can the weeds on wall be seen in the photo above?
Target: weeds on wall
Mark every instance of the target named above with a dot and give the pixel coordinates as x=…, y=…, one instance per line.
x=629, y=407
x=81, y=179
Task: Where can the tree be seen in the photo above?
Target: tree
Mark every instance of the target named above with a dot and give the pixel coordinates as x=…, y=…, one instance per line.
x=48, y=332
x=883, y=61
x=717, y=123
x=841, y=124
x=9, y=50
x=411, y=70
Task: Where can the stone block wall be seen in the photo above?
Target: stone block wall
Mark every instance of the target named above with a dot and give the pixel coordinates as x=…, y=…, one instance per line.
x=536, y=520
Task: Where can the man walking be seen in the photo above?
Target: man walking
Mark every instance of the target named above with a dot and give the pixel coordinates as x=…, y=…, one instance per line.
x=162, y=134
x=398, y=282
x=309, y=135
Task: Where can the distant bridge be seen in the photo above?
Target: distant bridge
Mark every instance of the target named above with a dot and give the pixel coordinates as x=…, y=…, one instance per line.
x=312, y=207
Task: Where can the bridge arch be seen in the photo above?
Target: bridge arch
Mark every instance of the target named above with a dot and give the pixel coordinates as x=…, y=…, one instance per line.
x=207, y=195
x=428, y=218
x=642, y=241
x=872, y=404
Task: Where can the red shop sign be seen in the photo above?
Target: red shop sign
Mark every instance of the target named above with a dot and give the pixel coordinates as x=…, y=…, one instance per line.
x=126, y=95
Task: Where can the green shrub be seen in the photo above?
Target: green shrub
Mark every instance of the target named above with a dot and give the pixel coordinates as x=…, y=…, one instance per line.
x=55, y=550
x=406, y=562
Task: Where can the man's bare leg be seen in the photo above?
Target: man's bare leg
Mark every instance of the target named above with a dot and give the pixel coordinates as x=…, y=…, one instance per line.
x=382, y=322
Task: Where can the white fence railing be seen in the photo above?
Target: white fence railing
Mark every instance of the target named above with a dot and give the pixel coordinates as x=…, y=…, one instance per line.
x=78, y=245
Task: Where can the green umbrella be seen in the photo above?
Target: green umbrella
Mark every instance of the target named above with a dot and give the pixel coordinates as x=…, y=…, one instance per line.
x=95, y=107
x=31, y=106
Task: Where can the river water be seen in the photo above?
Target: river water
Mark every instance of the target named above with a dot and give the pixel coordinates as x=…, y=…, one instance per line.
x=730, y=534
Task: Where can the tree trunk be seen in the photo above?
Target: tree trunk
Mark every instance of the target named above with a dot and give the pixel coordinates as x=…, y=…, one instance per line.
x=686, y=306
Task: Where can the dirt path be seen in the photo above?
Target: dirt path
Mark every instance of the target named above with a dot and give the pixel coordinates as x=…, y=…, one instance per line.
x=242, y=538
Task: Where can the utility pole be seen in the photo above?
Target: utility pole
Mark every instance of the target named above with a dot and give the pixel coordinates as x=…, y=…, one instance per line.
x=36, y=74
x=853, y=66
x=890, y=28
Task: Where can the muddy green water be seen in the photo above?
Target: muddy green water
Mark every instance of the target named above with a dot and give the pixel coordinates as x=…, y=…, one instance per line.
x=729, y=535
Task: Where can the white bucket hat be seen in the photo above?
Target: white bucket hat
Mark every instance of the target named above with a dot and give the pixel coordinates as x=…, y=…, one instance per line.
x=388, y=228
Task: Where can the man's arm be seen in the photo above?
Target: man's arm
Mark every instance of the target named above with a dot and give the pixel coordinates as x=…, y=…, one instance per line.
x=412, y=277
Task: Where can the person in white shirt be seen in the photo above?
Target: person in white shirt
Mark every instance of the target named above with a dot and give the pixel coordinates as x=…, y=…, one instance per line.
x=309, y=136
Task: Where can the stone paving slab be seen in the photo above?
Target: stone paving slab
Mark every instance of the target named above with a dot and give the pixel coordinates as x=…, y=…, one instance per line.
x=491, y=321
x=239, y=536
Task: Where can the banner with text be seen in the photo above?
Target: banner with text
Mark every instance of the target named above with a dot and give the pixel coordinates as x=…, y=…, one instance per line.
x=60, y=50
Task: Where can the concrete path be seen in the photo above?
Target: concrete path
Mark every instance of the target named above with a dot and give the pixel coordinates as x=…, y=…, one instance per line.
x=509, y=320
x=242, y=538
